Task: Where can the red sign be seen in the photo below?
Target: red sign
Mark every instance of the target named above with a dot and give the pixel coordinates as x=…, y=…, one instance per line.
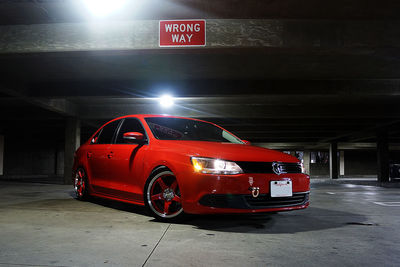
x=182, y=33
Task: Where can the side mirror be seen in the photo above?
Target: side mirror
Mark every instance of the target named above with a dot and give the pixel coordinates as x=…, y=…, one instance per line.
x=133, y=137
x=246, y=142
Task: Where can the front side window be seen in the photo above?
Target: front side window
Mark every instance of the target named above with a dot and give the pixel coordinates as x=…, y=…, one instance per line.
x=186, y=129
x=129, y=125
x=107, y=133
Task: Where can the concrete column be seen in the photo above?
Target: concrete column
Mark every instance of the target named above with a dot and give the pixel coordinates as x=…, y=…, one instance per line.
x=341, y=163
x=382, y=147
x=333, y=161
x=1, y=155
x=72, y=142
x=307, y=161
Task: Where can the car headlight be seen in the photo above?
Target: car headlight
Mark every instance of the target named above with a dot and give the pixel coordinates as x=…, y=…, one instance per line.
x=215, y=166
x=303, y=169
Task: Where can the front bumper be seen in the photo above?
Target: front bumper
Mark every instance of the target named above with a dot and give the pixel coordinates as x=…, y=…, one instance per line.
x=254, y=203
x=206, y=194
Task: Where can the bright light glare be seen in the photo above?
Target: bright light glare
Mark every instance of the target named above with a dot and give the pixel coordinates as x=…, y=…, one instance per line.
x=219, y=164
x=197, y=166
x=101, y=8
x=166, y=101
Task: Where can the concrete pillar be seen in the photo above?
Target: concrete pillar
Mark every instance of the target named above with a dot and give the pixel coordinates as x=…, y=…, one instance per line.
x=382, y=147
x=341, y=163
x=1, y=155
x=72, y=142
x=307, y=161
x=333, y=161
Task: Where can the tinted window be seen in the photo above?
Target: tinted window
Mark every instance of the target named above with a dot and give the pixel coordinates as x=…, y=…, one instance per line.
x=185, y=129
x=129, y=125
x=107, y=133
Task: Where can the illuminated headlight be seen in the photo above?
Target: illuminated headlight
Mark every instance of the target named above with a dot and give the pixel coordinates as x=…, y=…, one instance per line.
x=303, y=169
x=215, y=166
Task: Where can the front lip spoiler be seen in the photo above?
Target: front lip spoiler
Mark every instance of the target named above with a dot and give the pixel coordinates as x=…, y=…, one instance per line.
x=248, y=202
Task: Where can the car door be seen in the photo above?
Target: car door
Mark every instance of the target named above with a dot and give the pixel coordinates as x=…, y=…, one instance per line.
x=99, y=154
x=127, y=161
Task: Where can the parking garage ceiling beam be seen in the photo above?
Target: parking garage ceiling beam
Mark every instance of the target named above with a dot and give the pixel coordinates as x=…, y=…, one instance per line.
x=60, y=106
x=202, y=89
x=241, y=111
x=229, y=33
x=324, y=146
x=272, y=99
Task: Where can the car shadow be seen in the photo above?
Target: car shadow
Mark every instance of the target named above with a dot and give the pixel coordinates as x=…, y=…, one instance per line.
x=312, y=219
x=118, y=205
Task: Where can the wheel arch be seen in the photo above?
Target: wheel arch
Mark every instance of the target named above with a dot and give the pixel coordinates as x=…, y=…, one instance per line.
x=159, y=166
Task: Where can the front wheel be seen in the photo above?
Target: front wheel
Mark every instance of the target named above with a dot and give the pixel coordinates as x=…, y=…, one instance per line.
x=163, y=196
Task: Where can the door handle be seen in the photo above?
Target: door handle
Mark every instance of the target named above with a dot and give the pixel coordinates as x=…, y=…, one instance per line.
x=89, y=155
x=110, y=155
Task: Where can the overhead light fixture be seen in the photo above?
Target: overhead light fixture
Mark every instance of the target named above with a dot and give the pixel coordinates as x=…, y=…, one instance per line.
x=166, y=101
x=101, y=8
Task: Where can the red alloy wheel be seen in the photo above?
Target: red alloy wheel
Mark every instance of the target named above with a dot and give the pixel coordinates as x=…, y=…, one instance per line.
x=80, y=183
x=163, y=195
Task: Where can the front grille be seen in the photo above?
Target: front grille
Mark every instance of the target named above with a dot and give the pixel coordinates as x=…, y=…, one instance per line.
x=255, y=167
x=267, y=201
x=249, y=202
x=289, y=167
x=267, y=167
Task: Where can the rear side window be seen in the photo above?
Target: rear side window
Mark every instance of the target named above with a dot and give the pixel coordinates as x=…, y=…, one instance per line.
x=129, y=125
x=107, y=133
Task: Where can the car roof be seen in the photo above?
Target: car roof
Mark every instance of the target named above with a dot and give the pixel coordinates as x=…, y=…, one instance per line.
x=158, y=116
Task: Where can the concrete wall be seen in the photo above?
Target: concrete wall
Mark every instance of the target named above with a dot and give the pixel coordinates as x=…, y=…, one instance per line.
x=1, y=154
x=33, y=155
x=319, y=169
x=357, y=163
x=360, y=163
x=60, y=161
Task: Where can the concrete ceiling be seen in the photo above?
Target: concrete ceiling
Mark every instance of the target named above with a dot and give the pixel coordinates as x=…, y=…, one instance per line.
x=272, y=71
x=60, y=11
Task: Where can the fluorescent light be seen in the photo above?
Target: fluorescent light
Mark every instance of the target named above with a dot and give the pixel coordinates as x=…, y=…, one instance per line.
x=166, y=101
x=100, y=8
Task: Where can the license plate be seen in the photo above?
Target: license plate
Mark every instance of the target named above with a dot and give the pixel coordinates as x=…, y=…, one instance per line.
x=281, y=189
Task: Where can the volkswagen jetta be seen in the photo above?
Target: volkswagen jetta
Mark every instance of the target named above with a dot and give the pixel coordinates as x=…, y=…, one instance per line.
x=175, y=165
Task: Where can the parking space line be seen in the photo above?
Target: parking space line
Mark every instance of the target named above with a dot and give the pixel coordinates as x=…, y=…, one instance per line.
x=151, y=253
x=388, y=204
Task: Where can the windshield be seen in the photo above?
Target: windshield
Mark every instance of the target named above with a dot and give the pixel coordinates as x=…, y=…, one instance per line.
x=185, y=129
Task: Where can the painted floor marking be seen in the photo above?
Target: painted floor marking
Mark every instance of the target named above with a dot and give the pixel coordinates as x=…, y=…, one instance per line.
x=388, y=204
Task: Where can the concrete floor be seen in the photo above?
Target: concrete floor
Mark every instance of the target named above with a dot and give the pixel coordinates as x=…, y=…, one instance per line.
x=43, y=225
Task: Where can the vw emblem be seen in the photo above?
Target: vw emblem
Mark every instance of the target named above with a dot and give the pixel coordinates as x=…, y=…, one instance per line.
x=277, y=168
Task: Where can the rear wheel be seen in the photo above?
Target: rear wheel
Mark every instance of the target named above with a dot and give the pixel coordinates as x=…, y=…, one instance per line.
x=163, y=196
x=81, y=184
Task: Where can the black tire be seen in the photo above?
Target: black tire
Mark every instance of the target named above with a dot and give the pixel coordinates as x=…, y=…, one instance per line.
x=162, y=196
x=81, y=185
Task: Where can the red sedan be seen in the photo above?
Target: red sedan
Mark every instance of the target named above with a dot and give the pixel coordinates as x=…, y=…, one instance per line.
x=174, y=165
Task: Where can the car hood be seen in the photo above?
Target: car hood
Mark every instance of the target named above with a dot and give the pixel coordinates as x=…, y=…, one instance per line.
x=227, y=151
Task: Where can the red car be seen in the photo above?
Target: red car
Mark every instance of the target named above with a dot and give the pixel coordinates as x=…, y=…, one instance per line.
x=175, y=165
